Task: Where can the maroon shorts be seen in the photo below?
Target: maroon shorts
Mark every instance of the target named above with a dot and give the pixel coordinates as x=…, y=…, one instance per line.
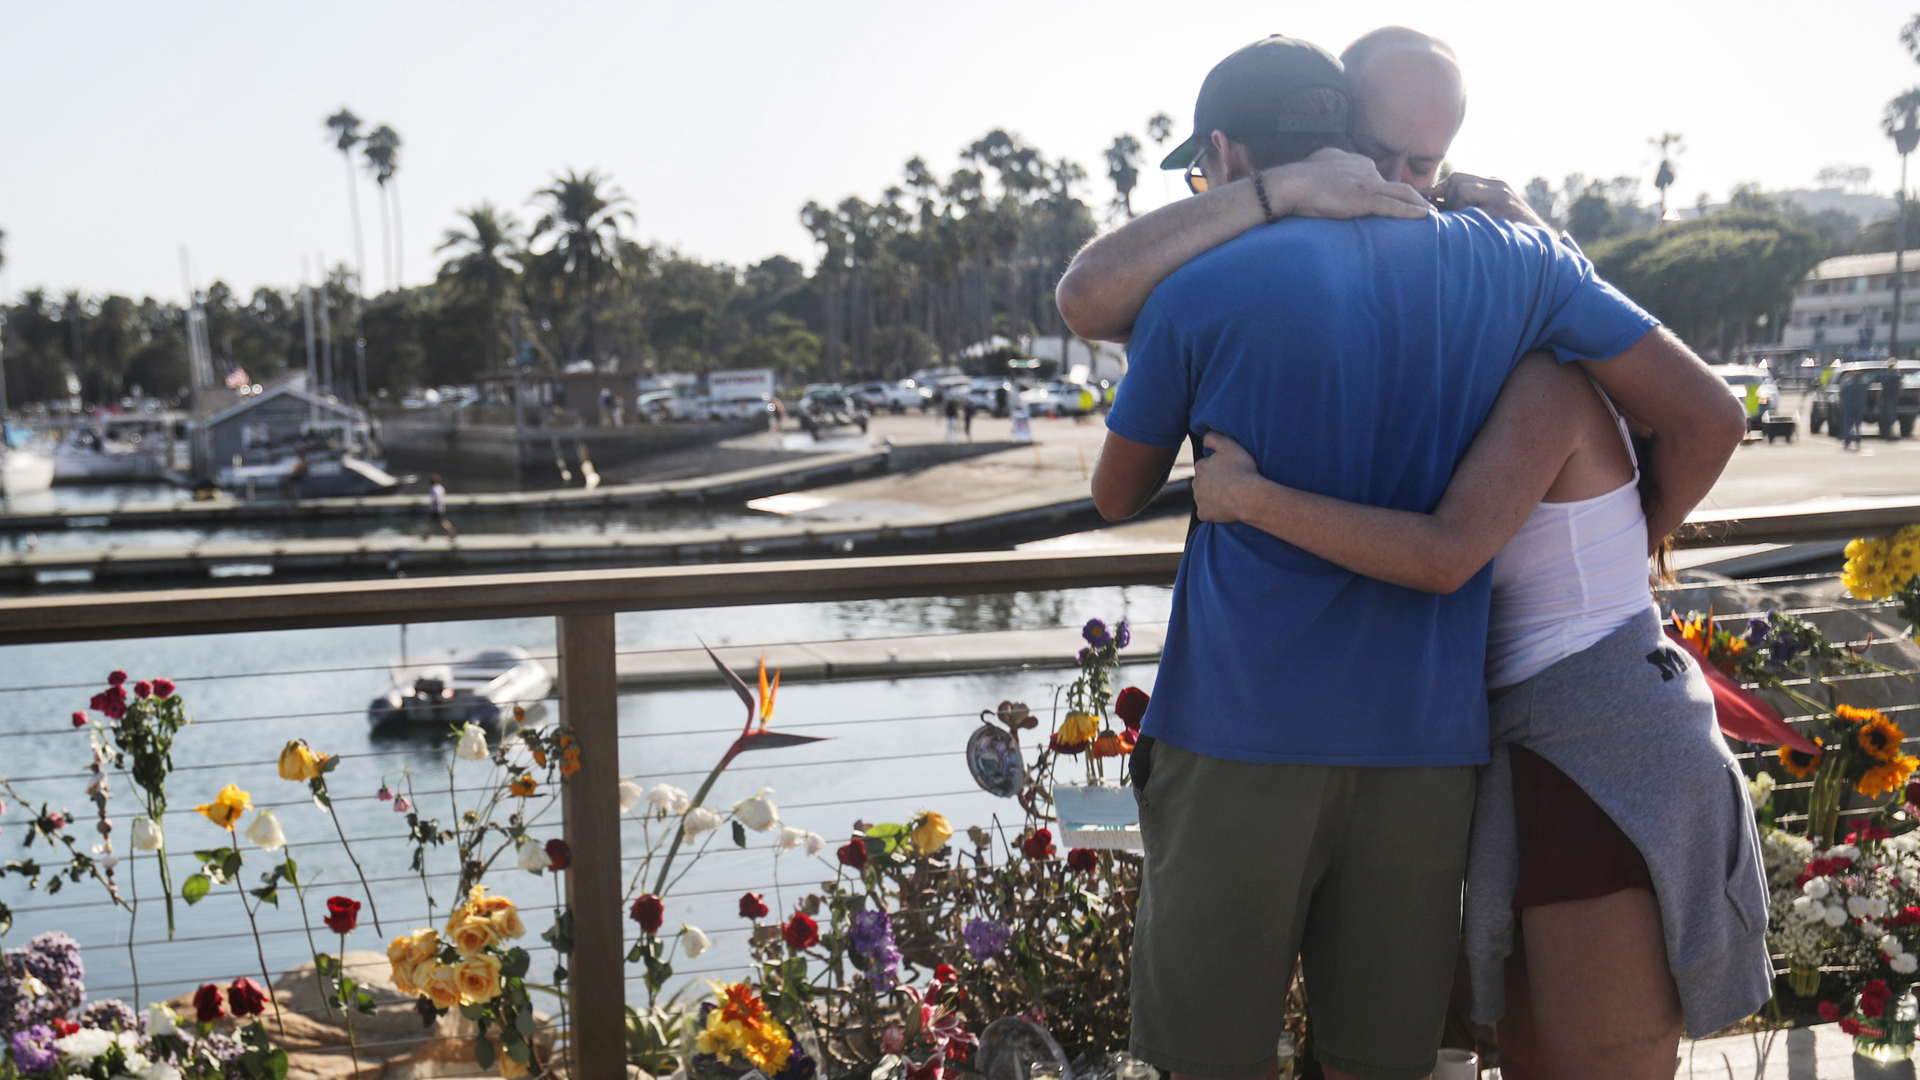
x=1569, y=848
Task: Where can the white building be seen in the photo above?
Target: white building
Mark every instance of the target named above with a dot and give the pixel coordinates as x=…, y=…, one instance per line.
x=1847, y=302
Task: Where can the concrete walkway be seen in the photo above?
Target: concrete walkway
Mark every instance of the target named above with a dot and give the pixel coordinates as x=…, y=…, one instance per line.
x=1820, y=1052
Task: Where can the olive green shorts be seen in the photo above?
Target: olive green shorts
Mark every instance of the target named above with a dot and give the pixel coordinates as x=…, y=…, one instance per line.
x=1356, y=871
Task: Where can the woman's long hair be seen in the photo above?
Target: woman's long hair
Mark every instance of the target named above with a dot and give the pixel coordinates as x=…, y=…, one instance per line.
x=1649, y=494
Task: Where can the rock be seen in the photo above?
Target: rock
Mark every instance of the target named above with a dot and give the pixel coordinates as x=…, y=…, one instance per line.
x=393, y=1044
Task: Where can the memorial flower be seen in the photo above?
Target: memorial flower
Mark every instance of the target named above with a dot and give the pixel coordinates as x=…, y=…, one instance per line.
x=930, y=832
x=473, y=743
x=693, y=942
x=757, y=813
x=265, y=832
x=147, y=834
x=246, y=998
x=532, y=856
x=559, y=855
x=227, y=807
x=699, y=820
x=207, y=1004
x=753, y=906
x=630, y=795
x=853, y=854
x=299, y=763
x=648, y=910
x=800, y=932
x=343, y=914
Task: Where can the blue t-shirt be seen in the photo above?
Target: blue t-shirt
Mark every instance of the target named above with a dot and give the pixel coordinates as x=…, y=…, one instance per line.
x=1355, y=359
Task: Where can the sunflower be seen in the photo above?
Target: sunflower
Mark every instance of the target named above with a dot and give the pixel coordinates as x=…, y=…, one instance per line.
x=1887, y=777
x=1881, y=738
x=1854, y=715
x=523, y=785
x=1798, y=762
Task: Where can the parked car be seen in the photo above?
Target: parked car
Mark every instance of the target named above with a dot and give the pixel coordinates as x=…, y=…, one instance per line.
x=994, y=395
x=823, y=407
x=1059, y=399
x=1825, y=411
x=1740, y=378
x=894, y=397
x=951, y=386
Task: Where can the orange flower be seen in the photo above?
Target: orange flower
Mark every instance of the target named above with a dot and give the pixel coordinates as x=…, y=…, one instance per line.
x=1890, y=776
x=523, y=785
x=737, y=1003
x=1853, y=715
x=1106, y=746
x=540, y=756
x=570, y=761
x=1798, y=762
x=1880, y=738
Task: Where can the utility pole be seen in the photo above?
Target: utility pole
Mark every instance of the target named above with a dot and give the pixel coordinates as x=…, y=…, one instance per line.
x=306, y=304
x=326, y=327
x=1904, y=141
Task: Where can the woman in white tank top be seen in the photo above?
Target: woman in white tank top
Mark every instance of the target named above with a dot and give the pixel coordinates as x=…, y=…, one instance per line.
x=1549, y=493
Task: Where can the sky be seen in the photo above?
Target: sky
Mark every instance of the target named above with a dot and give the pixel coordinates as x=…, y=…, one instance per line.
x=129, y=131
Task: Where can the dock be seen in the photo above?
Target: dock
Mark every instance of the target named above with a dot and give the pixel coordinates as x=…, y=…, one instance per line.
x=903, y=529
x=738, y=486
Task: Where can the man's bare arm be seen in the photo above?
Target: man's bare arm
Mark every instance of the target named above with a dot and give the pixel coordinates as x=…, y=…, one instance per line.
x=1111, y=278
x=1696, y=424
x=1129, y=475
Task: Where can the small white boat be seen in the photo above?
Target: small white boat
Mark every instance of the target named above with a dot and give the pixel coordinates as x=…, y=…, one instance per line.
x=23, y=470
x=477, y=686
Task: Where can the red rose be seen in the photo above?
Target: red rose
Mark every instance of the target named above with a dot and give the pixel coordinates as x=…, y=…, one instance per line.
x=163, y=688
x=206, y=1004
x=63, y=1026
x=1131, y=705
x=1083, y=860
x=559, y=855
x=79, y=719
x=648, y=911
x=246, y=997
x=1829, y=1011
x=1039, y=845
x=1872, y=1006
x=112, y=702
x=115, y=678
x=800, y=932
x=143, y=689
x=343, y=914
x=945, y=974
x=1850, y=1026
x=853, y=854
x=752, y=906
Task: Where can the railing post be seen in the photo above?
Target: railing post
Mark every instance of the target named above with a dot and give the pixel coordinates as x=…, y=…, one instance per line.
x=589, y=705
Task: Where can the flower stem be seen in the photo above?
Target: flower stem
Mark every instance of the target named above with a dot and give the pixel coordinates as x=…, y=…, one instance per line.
x=133, y=919
x=262, y=955
x=699, y=798
x=372, y=907
x=300, y=894
x=346, y=1008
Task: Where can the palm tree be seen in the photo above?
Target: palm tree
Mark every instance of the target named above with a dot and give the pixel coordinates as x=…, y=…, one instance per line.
x=484, y=267
x=346, y=129
x=583, y=212
x=1123, y=168
x=382, y=151
x=1669, y=145
x=1902, y=123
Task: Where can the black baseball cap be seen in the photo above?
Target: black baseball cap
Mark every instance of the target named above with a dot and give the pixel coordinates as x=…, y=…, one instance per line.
x=1241, y=95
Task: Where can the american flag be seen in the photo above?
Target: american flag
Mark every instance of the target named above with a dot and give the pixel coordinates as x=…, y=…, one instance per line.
x=237, y=379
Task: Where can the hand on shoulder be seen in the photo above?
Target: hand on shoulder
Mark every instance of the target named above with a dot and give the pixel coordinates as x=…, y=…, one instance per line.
x=1495, y=198
x=1336, y=184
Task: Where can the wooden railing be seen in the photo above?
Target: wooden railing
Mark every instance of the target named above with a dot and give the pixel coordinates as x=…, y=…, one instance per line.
x=584, y=604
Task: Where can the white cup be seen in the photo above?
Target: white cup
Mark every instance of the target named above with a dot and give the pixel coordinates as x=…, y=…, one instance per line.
x=1457, y=1065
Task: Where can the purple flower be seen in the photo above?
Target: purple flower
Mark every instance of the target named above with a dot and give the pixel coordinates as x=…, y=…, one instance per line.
x=401, y=805
x=985, y=938
x=872, y=939
x=109, y=1015
x=1122, y=635
x=33, y=1050
x=54, y=959
x=1096, y=634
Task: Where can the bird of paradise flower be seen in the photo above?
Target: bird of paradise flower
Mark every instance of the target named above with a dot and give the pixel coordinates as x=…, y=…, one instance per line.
x=754, y=736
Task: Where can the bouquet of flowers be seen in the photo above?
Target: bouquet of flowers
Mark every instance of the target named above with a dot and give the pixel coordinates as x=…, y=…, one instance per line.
x=1887, y=568
x=472, y=969
x=736, y=1034
x=1088, y=727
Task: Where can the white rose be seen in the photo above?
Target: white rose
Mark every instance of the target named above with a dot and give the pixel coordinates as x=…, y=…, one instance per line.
x=790, y=838
x=1803, y=907
x=162, y=1020
x=1876, y=907
x=1891, y=945
x=699, y=820
x=669, y=800
x=158, y=1070
x=147, y=835
x=84, y=1045
x=265, y=832
x=32, y=987
x=1844, y=851
x=533, y=856
x=692, y=941
x=1905, y=963
x=1817, y=888
x=815, y=843
x=630, y=795
x=1859, y=907
x=473, y=743
x=1836, y=916
x=757, y=813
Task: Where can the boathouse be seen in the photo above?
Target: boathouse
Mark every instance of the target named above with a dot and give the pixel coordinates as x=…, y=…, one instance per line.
x=283, y=415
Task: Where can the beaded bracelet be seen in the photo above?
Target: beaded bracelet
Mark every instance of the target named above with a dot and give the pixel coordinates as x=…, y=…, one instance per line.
x=1260, y=189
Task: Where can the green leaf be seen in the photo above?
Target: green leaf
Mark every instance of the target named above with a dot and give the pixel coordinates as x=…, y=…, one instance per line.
x=6, y=919
x=523, y=1024
x=318, y=785
x=483, y=1054
x=291, y=871
x=472, y=1012
x=739, y=835
x=266, y=894
x=889, y=836
x=633, y=954
x=195, y=889
x=520, y=1052
x=516, y=963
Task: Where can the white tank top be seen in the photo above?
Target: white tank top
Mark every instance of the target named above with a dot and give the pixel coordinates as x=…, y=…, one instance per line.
x=1572, y=575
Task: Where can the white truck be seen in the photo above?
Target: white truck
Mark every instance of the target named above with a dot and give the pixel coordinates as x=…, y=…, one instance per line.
x=714, y=395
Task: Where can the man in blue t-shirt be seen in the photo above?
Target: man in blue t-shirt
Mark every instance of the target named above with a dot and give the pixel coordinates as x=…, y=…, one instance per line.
x=1308, y=779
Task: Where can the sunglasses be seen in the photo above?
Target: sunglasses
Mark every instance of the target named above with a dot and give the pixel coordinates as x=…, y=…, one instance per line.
x=1197, y=180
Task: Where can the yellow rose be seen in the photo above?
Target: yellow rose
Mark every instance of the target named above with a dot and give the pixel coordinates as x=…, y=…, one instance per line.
x=403, y=980
x=420, y=972
x=442, y=987
x=423, y=945
x=470, y=935
x=299, y=763
x=930, y=832
x=227, y=807
x=509, y=1068
x=478, y=978
x=507, y=924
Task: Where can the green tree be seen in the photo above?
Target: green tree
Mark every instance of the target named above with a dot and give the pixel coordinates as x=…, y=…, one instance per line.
x=381, y=148
x=583, y=212
x=485, y=268
x=1123, y=168
x=786, y=346
x=346, y=135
